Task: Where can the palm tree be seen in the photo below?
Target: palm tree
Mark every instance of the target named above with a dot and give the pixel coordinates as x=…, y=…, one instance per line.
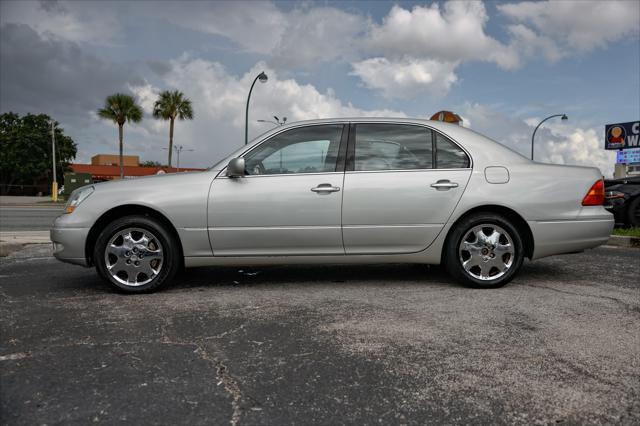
x=121, y=108
x=169, y=106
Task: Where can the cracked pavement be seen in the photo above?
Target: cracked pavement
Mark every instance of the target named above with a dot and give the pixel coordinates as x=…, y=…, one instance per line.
x=389, y=344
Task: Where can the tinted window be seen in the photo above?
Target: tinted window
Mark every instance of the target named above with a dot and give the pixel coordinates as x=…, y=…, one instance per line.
x=449, y=155
x=312, y=149
x=392, y=147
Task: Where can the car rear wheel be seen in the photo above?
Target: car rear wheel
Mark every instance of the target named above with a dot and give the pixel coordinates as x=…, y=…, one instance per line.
x=484, y=251
x=633, y=212
x=136, y=254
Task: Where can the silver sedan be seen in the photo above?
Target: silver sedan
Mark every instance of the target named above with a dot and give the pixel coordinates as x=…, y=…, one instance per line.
x=340, y=191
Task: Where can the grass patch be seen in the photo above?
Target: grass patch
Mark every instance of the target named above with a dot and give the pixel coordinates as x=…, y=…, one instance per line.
x=628, y=232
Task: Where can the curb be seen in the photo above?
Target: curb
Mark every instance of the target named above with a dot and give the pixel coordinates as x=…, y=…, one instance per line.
x=15, y=240
x=624, y=241
x=42, y=205
x=7, y=248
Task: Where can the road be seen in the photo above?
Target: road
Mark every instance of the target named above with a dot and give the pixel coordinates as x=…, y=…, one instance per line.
x=393, y=344
x=27, y=218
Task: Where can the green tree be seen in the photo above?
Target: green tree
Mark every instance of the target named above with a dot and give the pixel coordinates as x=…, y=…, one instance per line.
x=150, y=163
x=25, y=150
x=121, y=108
x=169, y=106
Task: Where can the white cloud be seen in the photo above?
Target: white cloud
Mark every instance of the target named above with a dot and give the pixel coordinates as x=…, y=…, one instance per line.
x=219, y=100
x=529, y=43
x=146, y=95
x=453, y=33
x=77, y=21
x=419, y=49
x=431, y=40
x=257, y=26
x=300, y=37
x=406, y=77
x=316, y=35
x=557, y=143
x=578, y=25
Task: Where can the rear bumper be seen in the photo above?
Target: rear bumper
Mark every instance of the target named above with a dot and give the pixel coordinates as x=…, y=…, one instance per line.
x=567, y=236
x=69, y=244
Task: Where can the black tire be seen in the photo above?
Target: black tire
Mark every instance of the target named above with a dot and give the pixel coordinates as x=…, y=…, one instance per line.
x=139, y=225
x=633, y=212
x=452, y=253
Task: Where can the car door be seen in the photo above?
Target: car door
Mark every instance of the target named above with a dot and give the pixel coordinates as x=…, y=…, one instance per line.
x=401, y=184
x=288, y=203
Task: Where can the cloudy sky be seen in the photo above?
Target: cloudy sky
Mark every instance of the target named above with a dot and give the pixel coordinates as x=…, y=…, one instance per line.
x=501, y=65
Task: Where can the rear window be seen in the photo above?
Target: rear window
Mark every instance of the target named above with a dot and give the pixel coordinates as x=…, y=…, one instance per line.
x=449, y=155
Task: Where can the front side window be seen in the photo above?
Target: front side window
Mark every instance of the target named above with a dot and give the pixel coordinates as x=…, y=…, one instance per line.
x=312, y=149
x=392, y=147
x=449, y=155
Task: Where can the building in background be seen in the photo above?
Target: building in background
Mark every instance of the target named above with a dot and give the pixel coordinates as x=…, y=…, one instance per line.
x=114, y=160
x=105, y=167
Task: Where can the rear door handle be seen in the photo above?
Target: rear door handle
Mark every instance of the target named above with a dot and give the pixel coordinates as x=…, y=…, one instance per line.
x=444, y=184
x=325, y=187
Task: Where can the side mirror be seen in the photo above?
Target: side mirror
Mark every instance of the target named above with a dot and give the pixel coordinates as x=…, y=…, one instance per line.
x=236, y=167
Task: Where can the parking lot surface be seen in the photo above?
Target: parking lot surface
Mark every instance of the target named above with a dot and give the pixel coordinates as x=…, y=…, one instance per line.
x=389, y=344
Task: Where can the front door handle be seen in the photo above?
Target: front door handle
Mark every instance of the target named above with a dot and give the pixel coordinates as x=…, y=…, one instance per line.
x=325, y=187
x=444, y=184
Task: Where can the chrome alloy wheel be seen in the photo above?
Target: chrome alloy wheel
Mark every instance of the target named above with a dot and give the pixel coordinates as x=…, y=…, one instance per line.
x=133, y=257
x=486, y=252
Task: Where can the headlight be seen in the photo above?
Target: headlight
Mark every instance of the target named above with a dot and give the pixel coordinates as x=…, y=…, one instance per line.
x=77, y=196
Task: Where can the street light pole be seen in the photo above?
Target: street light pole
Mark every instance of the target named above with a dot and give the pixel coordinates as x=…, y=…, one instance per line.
x=179, y=149
x=263, y=79
x=54, y=184
x=564, y=117
x=277, y=122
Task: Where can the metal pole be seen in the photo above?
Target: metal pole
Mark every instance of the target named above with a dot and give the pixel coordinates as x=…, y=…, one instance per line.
x=263, y=77
x=564, y=117
x=178, y=149
x=246, y=114
x=54, y=184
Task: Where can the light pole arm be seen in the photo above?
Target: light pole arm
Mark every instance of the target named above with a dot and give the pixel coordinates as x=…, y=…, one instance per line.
x=536, y=129
x=246, y=114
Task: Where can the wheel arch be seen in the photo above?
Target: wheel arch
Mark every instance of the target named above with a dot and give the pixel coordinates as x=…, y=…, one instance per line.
x=518, y=221
x=121, y=211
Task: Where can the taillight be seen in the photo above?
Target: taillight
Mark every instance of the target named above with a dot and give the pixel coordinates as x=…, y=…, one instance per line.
x=595, y=196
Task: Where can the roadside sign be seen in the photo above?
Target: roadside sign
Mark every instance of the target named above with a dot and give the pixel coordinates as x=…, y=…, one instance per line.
x=628, y=156
x=622, y=135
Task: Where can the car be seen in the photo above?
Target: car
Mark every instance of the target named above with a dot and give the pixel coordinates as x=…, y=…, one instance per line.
x=337, y=191
x=622, y=198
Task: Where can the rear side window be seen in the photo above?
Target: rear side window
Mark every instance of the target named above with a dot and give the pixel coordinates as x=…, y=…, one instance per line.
x=449, y=155
x=392, y=147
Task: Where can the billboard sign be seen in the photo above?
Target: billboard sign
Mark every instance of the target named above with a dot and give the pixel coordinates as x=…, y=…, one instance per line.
x=622, y=135
x=628, y=156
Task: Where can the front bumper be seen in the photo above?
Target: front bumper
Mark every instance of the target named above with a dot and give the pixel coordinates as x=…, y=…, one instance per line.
x=69, y=244
x=591, y=229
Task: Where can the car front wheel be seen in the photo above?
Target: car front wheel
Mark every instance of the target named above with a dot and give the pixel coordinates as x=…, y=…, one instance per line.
x=484, y=251
x=136, y=254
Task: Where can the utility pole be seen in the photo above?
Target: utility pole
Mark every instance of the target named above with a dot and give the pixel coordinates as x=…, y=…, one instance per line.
x=179, y=149
x=277, y=122
x=54, y=184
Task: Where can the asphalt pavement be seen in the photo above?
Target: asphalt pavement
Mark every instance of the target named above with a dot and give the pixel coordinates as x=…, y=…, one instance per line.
x=31, y=218
x=394, y=344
